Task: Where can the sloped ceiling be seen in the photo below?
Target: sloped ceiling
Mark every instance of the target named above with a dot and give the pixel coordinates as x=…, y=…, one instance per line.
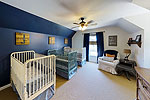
x=127, y=26
x=14, y=18
x=143, y=3
x=65, y=12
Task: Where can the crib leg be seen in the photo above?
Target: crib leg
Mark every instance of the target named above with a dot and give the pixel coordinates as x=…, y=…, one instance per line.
x=54, y=84
x=18, y=97
x=54, y=88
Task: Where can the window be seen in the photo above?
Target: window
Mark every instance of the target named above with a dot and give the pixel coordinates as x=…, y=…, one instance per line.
x=93, y=48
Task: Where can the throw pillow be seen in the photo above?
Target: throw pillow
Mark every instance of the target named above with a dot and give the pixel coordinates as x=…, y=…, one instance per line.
x=109, y=55
x=110, y=59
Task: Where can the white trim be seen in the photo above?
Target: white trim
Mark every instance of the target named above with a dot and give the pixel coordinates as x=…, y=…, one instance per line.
x=4, y=87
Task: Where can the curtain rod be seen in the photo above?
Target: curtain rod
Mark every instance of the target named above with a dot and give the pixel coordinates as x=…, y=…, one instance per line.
x=92, y=32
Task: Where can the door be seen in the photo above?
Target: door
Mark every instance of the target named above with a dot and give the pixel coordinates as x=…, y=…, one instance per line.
x=93, y=48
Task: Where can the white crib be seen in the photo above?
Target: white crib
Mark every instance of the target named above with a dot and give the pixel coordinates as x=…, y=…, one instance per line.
x=81, y=54
x=32, y=76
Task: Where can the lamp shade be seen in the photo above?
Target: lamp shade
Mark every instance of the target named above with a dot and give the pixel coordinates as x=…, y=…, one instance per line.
x=127, y=51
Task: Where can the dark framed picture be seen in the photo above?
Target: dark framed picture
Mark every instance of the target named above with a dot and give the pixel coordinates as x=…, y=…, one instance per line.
x=138, y=38
x=112, y=40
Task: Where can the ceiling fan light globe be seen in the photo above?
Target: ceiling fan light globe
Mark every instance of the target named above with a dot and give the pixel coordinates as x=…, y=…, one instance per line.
x=84, y=27
x=80, y=28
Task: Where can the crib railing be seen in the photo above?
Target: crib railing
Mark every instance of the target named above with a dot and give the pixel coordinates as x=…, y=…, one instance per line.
x=23, y=56
x=34, y=76
x=43, y=71
x=17, y=76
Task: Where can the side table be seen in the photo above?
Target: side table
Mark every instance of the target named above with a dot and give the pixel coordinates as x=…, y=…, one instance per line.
x=126, y=67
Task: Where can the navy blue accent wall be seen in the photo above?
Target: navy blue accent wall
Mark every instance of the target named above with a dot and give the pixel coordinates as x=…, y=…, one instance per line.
x=14, y=18
x=38, y=43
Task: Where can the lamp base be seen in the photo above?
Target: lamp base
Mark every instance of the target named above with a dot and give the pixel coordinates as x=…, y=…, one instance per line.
x=126, y=58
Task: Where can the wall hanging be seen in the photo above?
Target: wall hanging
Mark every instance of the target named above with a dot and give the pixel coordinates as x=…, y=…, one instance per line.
x=112, y=41
x=51, y=40
x=136, y=41
x=22, y=38
x=66, y=41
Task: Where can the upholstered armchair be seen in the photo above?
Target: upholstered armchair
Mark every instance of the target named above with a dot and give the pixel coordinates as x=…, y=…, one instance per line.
x=108, y=64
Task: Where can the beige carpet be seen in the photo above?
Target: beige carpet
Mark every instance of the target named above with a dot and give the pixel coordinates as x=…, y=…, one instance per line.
x=92, y=84
x=88, y=84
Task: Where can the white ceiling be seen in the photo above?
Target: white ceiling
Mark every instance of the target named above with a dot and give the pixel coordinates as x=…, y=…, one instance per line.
x=66, y=12
x=143, y=3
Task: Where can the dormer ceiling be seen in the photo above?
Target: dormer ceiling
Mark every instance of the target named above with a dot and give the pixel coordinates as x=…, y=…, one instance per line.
x=65, y=12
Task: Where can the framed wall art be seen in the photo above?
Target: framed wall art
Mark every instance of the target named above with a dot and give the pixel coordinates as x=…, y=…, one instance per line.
x=112, y=40
x=22, y=38
x=66, y=41
x=51, y=40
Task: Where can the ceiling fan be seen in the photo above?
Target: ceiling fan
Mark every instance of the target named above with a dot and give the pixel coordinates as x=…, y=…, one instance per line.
x=83, y=25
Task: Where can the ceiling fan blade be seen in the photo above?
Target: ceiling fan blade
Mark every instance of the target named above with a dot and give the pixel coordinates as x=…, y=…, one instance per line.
x=92, y=24
x=89, y=22
x=74, y=27
x=76, y=23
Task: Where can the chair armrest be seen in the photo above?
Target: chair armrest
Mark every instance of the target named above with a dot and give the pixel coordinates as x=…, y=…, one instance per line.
x=100, y=58
x=116, y=62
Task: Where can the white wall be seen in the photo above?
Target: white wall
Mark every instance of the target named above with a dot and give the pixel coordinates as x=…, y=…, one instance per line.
x=143, y=21
x=123, y=36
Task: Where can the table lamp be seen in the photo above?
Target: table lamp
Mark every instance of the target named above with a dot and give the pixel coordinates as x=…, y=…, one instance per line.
x=127, y=52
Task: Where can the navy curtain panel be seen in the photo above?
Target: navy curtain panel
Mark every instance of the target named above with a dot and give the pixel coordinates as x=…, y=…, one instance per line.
x=100, y=44
x=86, y=44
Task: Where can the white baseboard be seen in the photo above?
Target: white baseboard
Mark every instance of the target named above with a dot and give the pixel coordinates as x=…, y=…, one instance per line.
x=4, y=87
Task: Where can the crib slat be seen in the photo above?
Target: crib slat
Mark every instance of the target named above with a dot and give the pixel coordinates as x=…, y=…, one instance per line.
x=24, y=57
x=28, y=55
x=53, y=67
x=54, y=73
x=37, y=75
x=30, y=79
x=33, y=77
x=48, y=70
x=43, y=71
x=40, y=73
x=19, y=56
x=52, y=70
